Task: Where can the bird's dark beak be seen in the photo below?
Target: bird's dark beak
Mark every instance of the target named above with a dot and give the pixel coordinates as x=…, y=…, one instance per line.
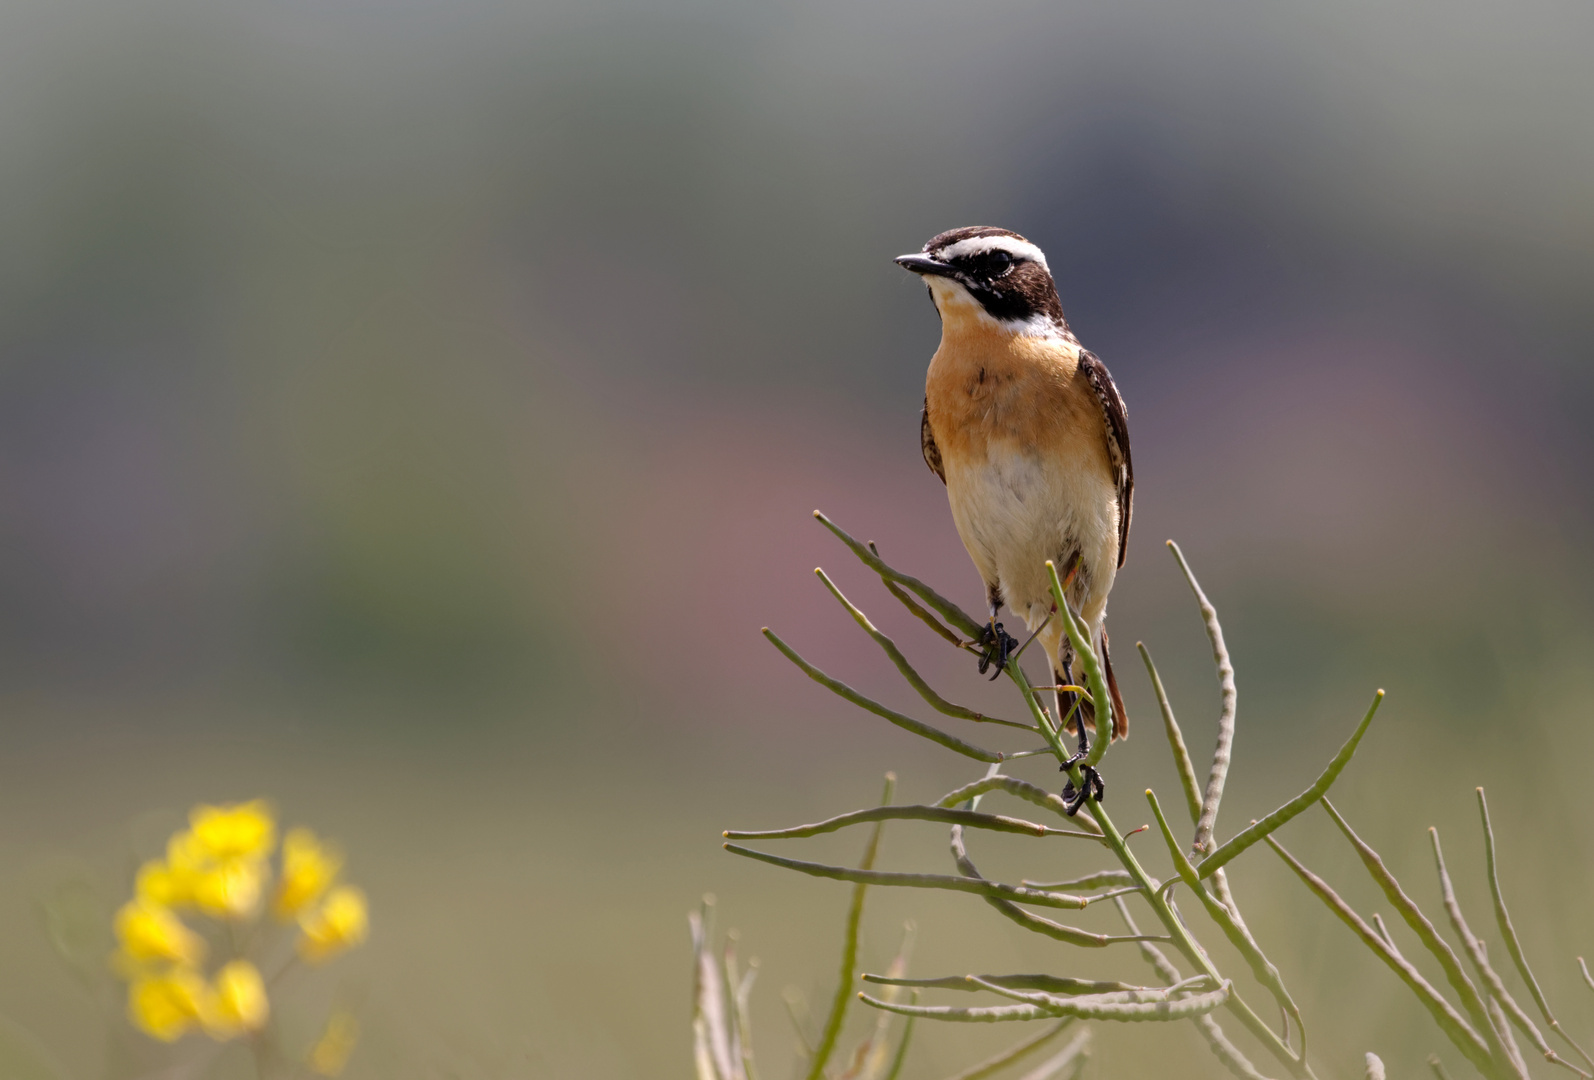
x=925, y=266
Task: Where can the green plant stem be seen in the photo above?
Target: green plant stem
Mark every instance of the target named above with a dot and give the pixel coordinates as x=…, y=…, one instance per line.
x=1485, y=971
x=849, y=950
x=1186, y=944
x=913, y=606
x=841, y=689
x=1021, y=789
x=1170, y=727
x=1222, y=1049
x=1258, y=829
x=907, y=671
x=1085, y=652
x=1129, y=1005
x=1224, y=751
x=982, y=887
x=1028, y=920
x=1013, y=1054
x=993, y=822
x=1098, y=880
x=1051, y=984
x=960, y=619
x=1509, y=933
x=1266, y=973
x=1424, y=929
x=902, y=1043
x=1449, y=1019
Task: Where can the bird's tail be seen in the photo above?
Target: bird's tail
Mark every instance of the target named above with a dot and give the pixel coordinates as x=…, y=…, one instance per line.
x=1087, y=712
x=1120, y=718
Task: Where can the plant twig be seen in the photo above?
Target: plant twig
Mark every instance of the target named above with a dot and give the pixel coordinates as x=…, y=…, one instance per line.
x=1022, y=789
x=1028, y=920
x=913, y=606
x=1383, y=932
x=1450, y=1021
x=980, y=887
x=1097, y=880
x=993, y=822
x=1258, y=829
x=1192, y=951
x=1508, y=931
x=960, y=619
x=1170, y=726
x=1485, y=971
x=1085, y=1008
x=1072, y=1054
x=914, y=679
x=902, y=1043
x=1013, y=1054
x=1265, y=971
x=1085, y=652
x=1224, y=750
x=1424, y=929
x=907, y=723
x=849, y=950
x=1222, y=1049
x=1051, y=984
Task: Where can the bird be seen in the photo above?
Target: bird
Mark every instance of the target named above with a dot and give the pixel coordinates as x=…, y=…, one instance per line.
x=1028, y=432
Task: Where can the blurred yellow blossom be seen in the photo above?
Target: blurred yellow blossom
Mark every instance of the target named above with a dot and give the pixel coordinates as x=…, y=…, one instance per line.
x=340, y=923
x=308, y=869
x=237, y=1001
x=331, y=1052
x=166, y=1005
x=159, y=883
x=221, y=867
x=149, y=931
x=185, y=854
x=231, y=889
x=236, y=830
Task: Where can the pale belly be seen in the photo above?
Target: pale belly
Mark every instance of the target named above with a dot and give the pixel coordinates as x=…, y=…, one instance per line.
x=1015, y=510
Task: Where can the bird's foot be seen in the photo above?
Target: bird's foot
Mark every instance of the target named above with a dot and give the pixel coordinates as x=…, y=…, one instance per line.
x=999, y=647
x=1094, y=787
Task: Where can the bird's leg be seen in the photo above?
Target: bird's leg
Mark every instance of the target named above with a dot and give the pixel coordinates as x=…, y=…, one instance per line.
x=1068, y=700
x=999, y=644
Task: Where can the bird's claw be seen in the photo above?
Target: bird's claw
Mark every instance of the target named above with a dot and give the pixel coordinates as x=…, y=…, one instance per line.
x=1094, y=787
x=999, y=648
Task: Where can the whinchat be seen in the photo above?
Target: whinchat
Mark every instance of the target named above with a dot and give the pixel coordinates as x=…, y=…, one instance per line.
x=1029, y=435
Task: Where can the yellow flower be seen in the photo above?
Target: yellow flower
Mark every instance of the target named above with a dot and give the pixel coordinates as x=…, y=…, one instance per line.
x=149, y=931
x=159, y=883
x=231, y=889
x=340, y=923
x=185, y=854
x=308, y=870
x=165, y=1006
x=331, y=1053
x=237, y=1001
x=240, y=829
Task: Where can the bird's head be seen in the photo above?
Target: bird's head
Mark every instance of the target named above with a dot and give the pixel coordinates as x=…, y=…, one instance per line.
x=980, y=273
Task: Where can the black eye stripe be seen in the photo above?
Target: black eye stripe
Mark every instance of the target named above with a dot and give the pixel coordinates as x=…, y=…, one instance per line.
x=987, y=264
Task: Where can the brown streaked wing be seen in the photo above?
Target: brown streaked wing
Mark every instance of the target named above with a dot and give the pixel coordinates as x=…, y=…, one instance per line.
x=932, y=452
x=1117, y=421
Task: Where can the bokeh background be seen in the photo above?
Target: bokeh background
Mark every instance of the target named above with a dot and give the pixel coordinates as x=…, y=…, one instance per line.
x=410, y=411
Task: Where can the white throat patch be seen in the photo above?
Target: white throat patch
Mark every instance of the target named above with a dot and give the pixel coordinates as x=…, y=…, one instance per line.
x=955, y=304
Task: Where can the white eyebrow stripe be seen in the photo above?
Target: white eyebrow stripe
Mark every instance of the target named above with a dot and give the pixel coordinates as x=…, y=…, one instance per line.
x=979, y=245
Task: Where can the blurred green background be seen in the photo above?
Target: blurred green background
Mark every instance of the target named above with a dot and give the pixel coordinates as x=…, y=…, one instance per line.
x=411, y=411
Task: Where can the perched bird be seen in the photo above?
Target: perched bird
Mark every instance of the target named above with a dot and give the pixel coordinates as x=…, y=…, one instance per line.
x=1027, y=431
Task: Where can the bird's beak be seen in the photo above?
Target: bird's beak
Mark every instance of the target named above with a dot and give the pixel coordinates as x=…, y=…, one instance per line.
x=925, y=266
